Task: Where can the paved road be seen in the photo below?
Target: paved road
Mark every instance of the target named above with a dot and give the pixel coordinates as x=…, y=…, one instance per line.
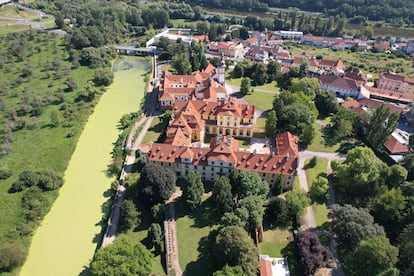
x=26, y=21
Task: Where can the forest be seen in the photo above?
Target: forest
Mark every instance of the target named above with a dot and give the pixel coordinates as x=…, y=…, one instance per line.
x=390, y=11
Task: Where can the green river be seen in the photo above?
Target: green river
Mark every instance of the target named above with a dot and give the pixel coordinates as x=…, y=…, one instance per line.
x=65, y=242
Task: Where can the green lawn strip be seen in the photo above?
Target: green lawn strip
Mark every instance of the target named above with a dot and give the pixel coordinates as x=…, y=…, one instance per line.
x=318, y=143
x=42, y=19
x=192, y=231
x=154, y=131
x=177, y=23
x=321, y=213
x=274, y=241
x=262, y=100
x=320, y=210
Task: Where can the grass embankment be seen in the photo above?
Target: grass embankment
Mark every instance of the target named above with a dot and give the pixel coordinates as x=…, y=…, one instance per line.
x=320, y=167
x=13, y=29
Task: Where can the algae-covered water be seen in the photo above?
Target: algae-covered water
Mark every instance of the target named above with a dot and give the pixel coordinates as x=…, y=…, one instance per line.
x=65, y=242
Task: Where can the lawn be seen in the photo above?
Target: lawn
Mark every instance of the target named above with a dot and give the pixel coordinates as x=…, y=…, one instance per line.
x=319, y=142
x=262, y=100
x=274, y=241
x=259, y=127
x=44, y=18
x=154, y=131
x=279, y=243
x=182, y=23
x=320, y=210
x=141, y=232
x=192, y=233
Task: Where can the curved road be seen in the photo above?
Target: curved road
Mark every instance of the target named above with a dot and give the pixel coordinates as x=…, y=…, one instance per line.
x=26, y=21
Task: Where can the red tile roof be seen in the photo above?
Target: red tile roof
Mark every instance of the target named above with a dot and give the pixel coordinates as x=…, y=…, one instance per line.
x=335, y=81
x=226, y=150
x=389, y=94
x=265, y=268
x=394, y=146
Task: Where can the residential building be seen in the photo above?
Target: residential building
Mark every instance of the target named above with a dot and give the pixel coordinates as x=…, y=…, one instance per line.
x=227, y=49
x=342, y=87
x=291, y=35
x=320, y=66
x=395, y=82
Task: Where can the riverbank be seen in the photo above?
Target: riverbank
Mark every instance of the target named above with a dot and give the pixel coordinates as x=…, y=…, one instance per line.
x=70, y=233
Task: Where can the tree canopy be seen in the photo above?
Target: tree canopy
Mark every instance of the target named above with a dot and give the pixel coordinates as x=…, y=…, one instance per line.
x=193, y=189
x=124, y=257
x=271, y=124
x=361, y=175
x=374, y=256
x=156, y=183
x=353, y=225
x=234, y=247
x=382, y=123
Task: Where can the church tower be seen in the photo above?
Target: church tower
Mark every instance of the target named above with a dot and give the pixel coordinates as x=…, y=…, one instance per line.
x=222, y=72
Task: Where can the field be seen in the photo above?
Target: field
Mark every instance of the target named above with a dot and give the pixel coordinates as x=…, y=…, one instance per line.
x=320, y=210
x=368, y=62
x=13, y=28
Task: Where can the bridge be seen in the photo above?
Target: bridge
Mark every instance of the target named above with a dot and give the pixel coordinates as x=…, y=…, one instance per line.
x=134, y=51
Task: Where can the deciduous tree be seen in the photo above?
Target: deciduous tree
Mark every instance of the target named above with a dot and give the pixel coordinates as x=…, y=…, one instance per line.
x=382, y=123
x=297, y=201
x=129, y=215
x=156, y=183
x=193, y=189
x=124, y=257
x=353, y=225
x=319, y=190
x=271, y=124
x=373, y=256
x=234, y=247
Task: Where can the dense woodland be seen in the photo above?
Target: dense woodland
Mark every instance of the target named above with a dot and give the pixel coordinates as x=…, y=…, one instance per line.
x=391, y=11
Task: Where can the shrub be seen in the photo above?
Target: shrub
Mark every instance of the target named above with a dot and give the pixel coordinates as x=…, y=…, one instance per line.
x=5, y=173
x=12, y=256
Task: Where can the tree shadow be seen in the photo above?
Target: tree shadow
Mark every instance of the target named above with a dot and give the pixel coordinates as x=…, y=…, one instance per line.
x=204, y=265
x=86, y=271
x=290, y=253
x=328, y=136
